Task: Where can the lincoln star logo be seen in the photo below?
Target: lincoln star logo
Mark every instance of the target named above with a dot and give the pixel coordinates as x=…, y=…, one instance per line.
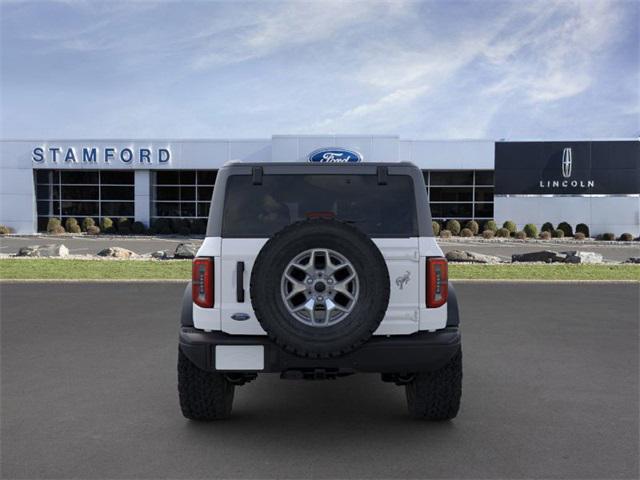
x=567, y=160
x=334, y=155
x=567, y=171
x=402, y=280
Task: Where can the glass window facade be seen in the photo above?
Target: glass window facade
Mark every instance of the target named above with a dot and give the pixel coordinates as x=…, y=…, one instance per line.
x=80, y=194
x=182, y=194
x=460, y=194
x=453, y=194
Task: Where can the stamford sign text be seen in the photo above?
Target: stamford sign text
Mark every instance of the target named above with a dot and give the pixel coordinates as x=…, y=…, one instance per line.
x=94, y=155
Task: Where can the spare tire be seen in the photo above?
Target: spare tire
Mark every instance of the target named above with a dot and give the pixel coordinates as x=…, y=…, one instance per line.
x=320, y=288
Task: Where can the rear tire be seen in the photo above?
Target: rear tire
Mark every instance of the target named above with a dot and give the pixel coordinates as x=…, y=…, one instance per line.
x=436, y=395
x=203, y=395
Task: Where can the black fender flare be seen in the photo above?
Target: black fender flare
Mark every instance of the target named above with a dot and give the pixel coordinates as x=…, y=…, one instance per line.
x=453, y=313
x=186, y=313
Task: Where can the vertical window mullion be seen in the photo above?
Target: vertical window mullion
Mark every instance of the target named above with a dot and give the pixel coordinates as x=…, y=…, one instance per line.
x=50, y=187
x=473, y=197
x=59, y=194
x=99, y=197
x=197, y=197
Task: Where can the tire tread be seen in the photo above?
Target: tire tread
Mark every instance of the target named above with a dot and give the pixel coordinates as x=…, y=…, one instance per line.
x=436, y=395
x=203, y=395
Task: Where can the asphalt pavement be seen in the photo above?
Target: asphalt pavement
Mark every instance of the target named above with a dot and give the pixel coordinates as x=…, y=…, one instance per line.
x=89, y=391
x=91, y=245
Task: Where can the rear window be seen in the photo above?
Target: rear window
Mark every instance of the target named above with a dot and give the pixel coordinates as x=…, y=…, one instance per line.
x=262, y=210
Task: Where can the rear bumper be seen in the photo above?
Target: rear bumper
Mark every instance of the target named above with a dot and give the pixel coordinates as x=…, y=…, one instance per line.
x=422, y=351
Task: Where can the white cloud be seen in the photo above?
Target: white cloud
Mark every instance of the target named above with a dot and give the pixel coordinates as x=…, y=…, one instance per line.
x=379, y=109
x=285, y=25
x=425, y=69
x=552, y=58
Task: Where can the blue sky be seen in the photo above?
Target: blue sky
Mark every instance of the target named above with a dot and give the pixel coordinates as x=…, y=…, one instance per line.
x=423, y=70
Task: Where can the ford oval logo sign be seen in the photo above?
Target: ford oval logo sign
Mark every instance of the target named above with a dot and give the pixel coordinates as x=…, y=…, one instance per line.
x=334, y=155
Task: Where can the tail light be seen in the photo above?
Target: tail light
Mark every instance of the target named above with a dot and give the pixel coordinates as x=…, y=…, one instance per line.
x=202, y=282
x=437, y=282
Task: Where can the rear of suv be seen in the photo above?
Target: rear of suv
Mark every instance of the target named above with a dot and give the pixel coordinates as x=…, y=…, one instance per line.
x=319, y=271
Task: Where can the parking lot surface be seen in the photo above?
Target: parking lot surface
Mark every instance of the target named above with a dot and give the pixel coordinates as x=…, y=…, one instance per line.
x=89, y=391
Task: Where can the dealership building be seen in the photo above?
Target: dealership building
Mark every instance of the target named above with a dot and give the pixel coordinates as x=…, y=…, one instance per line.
x=596, y=182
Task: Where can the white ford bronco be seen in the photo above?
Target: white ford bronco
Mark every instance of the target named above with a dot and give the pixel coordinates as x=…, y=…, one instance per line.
x=319, y=271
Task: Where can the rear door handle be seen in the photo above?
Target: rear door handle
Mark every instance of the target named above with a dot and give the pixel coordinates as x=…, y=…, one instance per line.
x=240, y=282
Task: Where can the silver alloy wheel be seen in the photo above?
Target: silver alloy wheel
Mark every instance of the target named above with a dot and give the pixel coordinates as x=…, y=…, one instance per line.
x=319, y=287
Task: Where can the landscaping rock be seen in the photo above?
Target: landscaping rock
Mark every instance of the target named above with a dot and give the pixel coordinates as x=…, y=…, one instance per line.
x=471, y=257
x=546, y=256
x=160, y=255
x=53, y=250
x=582, y=257
x=632, y=260
x=186, y=250
x=116, y=252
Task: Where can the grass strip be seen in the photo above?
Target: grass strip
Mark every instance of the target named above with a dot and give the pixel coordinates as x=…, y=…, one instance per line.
x=53, y=269
x=558, y=271
x=63, y=269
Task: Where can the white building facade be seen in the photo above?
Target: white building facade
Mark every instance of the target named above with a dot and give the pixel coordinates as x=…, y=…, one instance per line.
x=592, y=182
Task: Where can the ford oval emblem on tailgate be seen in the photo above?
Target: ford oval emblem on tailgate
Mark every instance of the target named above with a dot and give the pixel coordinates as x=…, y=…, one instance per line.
x=241, y=316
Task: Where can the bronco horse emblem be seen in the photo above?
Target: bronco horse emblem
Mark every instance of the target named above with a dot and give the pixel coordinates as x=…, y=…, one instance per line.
x=402, y=280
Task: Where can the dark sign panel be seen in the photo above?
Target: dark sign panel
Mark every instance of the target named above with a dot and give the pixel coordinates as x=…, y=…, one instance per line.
x=555, y=168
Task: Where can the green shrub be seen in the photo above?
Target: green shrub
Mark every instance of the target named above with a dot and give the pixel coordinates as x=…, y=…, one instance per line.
x=453, y=226
x=74, y=228
x=70, y=222
x=503, y=233
x=445, y=234
x=181, y=226
x=557, y=233
x=491, y=225
x=185, y=228
x=510, y=225
x=88, y=222
x=436, y=228
x=531, y=230
x=138, y=228
x=545, y=235
x=547, y=227
x=124, y=226
x=93, y=230
x=106, y=225
x=4, y=230
x=488, y=234
x=57, y=230
x=608, y=236
x=466, y=232
x=161, y=226
x=566, y=228
x=578, y=236
x=521, y=235
x=177, y=225
x=199, y=226
x=473, y=226
x=583, y=228
x=52, y=224
x=626, y=237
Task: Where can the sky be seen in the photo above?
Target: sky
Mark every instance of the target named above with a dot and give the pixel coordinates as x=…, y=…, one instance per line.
x=420, y=70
